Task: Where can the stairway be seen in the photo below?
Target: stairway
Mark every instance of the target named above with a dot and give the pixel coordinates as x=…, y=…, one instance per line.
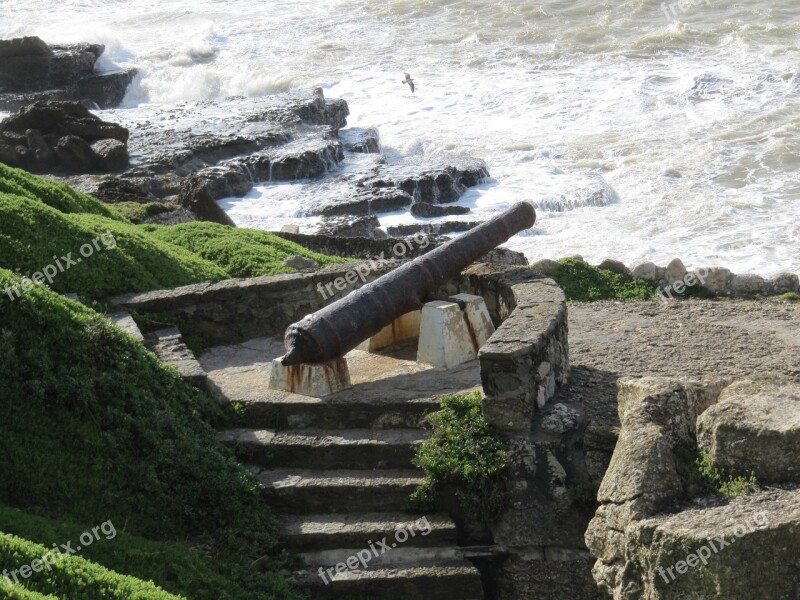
x=338, y=472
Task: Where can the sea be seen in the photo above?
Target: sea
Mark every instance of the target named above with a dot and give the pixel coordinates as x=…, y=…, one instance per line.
x=684, y=114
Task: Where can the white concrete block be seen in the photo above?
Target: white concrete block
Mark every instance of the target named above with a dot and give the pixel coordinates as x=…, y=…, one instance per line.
x=404, y=327
x=444, y=338
x=316, y=381
x=478, y=318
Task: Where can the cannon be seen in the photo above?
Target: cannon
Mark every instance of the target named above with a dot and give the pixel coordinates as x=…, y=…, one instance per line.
x=341, y=326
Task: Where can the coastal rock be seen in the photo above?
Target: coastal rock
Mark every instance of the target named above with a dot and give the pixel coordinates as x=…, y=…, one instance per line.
x=428, y=210
x=31, y=71
x=361, y=227
x=616, y=266
x=365, y=140
x=755, y=427
x=64, y=136
x=645, y=270
x=783, y=283
x=718, y=280
x=545, y=267
x=431, y=228
x=110, y=154
x=196, y=197
x=675, y=271
x=748, y=285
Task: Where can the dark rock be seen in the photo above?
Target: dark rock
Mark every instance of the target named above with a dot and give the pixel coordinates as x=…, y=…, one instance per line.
x=196, y=197
x=31, y=71
x=361, y=227
x=107, y=90
x=47, y=135
x=361, y=140
x=9, y=155
x=115, y=190
x=75, y=154
x=427, y=210
x=111, y=155
x=389, y=200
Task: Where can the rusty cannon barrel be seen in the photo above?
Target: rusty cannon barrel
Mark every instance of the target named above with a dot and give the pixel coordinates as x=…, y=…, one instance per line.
x=341, y=326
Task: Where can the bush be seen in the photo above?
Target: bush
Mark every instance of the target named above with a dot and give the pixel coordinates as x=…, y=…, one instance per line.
x=241, y=252
x=466, y=454
x=96, y=428
x=61, y=197
x=582, y=282
x=34, y=235
x=702, y=478
x=72, y=577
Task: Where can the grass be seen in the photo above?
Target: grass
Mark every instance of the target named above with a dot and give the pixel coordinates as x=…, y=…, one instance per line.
x=702, y=477
x=464, y=453
x=790, y=297
x=95, y=428
x=241, y=252
x=582, y=282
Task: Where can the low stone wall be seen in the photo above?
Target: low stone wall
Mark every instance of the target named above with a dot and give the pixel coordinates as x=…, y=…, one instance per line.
x=238, y=309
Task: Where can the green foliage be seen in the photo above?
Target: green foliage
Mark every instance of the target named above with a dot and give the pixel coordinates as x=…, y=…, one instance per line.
x=702, y=477
x=73, y=577
x=241, y=252
x=136, y=212
x=96, y=428
x=583, y=495
x=582, y=282
x=790, y=297
x=466, y=454
x=174, y=567
x=32, y=234
x=12, y=591
x=61, y=197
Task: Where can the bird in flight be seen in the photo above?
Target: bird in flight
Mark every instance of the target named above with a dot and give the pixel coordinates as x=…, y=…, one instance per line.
x=410, y=82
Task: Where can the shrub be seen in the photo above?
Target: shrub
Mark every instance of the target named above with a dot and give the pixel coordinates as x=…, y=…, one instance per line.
x=702, y=477
x=96, y=428
x=464, y=453
x=241, y=252
x=56, y=195
x=582, y=282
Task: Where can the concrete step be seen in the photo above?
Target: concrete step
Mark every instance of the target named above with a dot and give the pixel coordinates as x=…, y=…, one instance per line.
x=431, y=578
x=125, y=321
x=349, y=412
x=168, y=345
x=325, y=449
x=301, y=491
x=351, y=530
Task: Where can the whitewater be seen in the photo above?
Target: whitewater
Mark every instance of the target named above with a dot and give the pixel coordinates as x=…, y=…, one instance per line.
x=686, y=114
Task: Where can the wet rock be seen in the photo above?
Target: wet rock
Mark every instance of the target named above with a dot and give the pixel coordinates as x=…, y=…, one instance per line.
x=196, y=197
x=111, y=155
x=115, y=190
x=30, y=71
x=365, y=140
x=361, y=227
x=428, y=210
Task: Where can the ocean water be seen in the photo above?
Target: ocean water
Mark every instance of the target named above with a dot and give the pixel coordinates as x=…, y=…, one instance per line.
x=688, y=118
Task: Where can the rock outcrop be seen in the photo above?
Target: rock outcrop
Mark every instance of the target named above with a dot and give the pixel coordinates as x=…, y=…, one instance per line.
x=62, y=136
x=31, y=71
x=650, y=543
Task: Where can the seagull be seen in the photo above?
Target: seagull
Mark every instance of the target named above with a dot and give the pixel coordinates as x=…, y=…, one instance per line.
x=410, y=82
